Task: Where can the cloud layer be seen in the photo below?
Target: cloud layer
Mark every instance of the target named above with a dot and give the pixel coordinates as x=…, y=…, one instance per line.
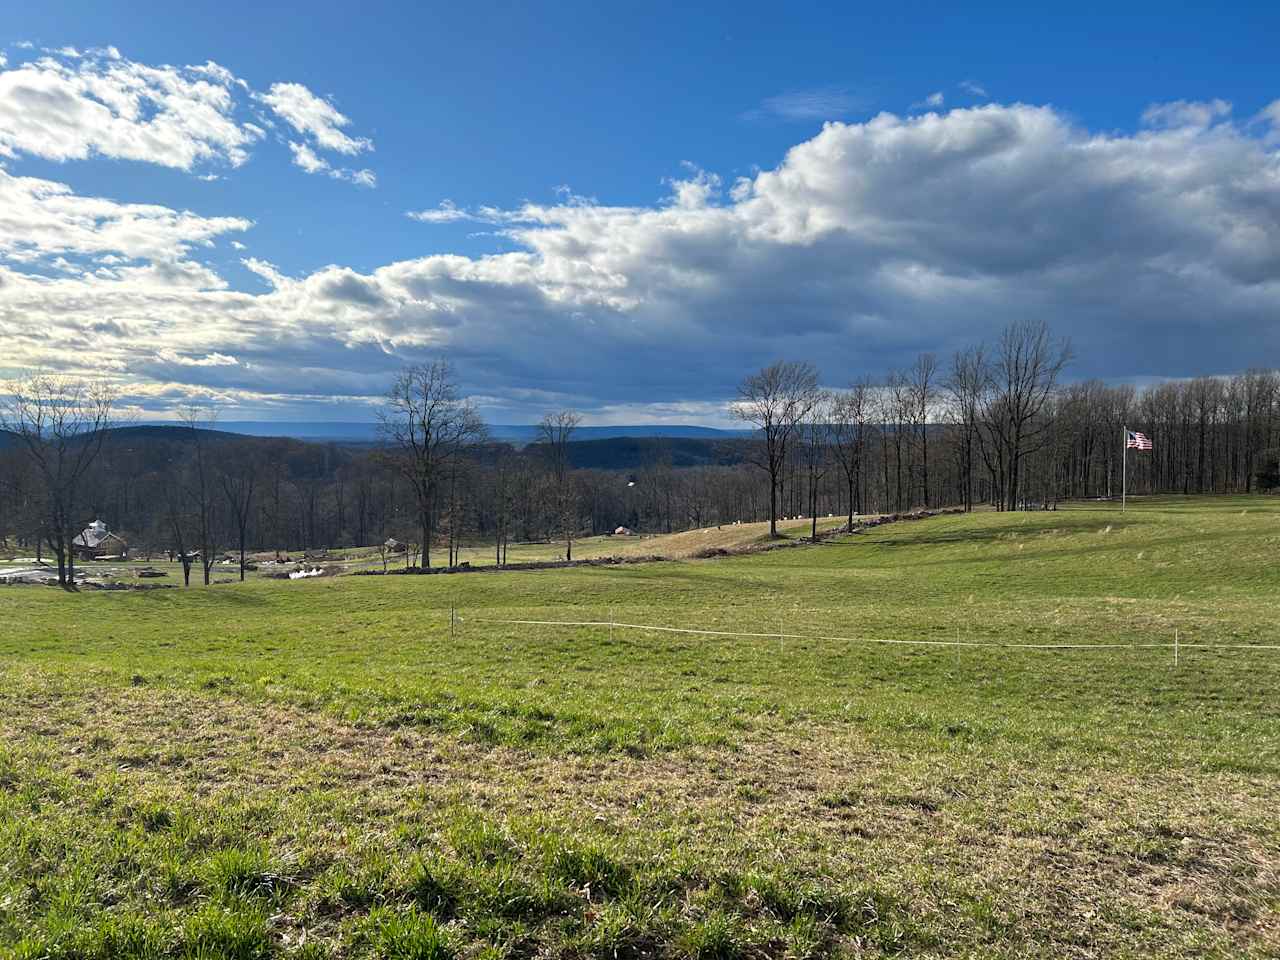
x=1157, y=251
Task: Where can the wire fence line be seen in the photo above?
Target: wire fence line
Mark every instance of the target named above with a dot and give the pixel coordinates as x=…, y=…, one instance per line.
x=1173, y=646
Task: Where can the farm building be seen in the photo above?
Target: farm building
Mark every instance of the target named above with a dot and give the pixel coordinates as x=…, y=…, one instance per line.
x=96, y=541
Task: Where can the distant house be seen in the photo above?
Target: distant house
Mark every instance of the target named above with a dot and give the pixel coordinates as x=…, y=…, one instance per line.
x=96, y=541
x=624, y=532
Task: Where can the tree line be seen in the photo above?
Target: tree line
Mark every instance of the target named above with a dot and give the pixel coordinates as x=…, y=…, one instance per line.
x=991, y=425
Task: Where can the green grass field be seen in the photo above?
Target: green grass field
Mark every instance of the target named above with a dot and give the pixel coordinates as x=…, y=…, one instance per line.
x=326, y=769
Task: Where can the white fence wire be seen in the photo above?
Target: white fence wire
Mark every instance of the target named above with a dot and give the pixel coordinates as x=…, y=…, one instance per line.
x=1173, y=646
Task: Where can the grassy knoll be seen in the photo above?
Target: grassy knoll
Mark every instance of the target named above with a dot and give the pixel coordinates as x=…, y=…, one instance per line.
x=321, y=768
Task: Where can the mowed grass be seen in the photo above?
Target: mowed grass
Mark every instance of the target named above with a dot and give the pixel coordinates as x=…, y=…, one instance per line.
x=329, y=768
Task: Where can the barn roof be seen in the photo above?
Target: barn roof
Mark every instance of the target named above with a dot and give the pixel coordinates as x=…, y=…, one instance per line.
x=95, y=535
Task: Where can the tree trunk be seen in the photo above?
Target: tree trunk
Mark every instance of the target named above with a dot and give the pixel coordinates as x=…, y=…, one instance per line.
x=773, y=504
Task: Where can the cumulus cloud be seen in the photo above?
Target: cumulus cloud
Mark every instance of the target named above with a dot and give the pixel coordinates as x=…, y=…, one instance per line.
x=1158, y=252
x=313, y=117
x=73, y=108
x=73, y=105
x=43, y=218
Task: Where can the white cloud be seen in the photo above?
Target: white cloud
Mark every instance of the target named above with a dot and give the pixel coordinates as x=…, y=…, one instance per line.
x=314, y=117
x=447, y=212
x=171, y=116
x=1186, y=113
x=361, y=178
x=309, y=160
x=43, y=218
x=208, y=360
x=267, y=271
x=306, y=158
x=935, y=99
x=973, y=88
x=823, y=103
x=72, y=105
x=1158, y=252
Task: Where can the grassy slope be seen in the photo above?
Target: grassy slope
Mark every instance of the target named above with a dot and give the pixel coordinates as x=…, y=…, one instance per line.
x=297, y=767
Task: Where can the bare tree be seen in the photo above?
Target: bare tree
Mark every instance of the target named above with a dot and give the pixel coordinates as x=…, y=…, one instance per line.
x=776, y=400
x=923, y=393
x=556, y=431
x=427, y=426
x=849, y=413
x=238, y=482
x=501, y=502
x=900, y=406
x=1024, y=373
x=966, y=386
x=60, y=424
x=177, y=516
x=816, y=433
x=199, y=420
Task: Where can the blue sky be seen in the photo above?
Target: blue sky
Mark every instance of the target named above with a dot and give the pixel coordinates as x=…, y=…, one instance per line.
x=627, y=130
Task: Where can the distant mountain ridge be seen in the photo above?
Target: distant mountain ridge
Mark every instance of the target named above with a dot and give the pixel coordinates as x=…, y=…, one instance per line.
x=367, y=432
x=151, y=445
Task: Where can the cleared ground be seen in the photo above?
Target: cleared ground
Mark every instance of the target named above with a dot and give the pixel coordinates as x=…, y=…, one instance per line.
x=327, y=768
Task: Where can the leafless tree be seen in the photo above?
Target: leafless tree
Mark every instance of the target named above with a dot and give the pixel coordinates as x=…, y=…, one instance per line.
x=60, y=424
x=1024, y=374
x=849, y=414
x=556, y=431
x=776, y=400
x=501, y=490
x=966, y=386
x=816, y=434
x=427, y=426
x=201, y=491
x=899, y=402
x=238, y=479
x=922, y=387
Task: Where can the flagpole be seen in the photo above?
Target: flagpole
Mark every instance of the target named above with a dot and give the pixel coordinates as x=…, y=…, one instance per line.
x=1124, y=470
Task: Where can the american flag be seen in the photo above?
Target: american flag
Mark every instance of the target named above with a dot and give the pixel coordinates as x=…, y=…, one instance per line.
x=1137, y=441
